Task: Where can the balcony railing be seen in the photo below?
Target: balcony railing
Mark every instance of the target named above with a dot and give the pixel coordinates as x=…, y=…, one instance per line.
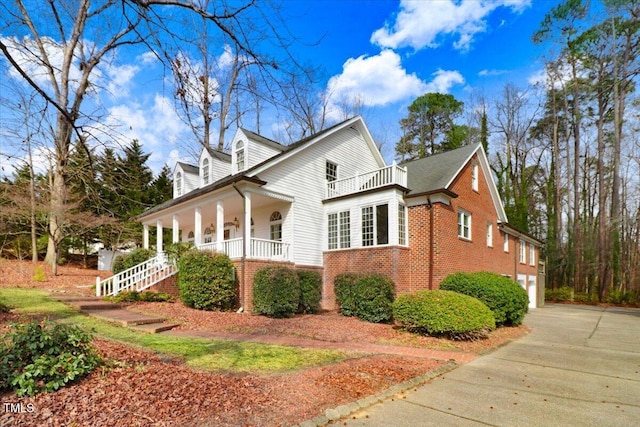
x=259, y=248
x=388, y=175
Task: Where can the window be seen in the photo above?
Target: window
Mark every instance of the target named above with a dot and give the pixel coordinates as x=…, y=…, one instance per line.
x=275, y=226
x=367, y=226
x=402, y=228
x=331, y=171
x=345, y=229
x=532, y=254
x=190, y=237
x=474, y=176
x=339, y=233
x=205, y=171
x=523, y=252
x=464, y=224
x=240, y=156
x=179, y=184
x=489, y=234
x=506, y=242
x=375, y=225
x=207, y=235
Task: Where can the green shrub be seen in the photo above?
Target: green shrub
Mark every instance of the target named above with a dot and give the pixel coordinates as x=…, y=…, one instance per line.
x=175, y=251
x=207, y=280
x=45, y=357
x=134, y=296
x=155, y=297
x=276, y=291
x=133, y=258
x=622, y=297
x=367, y=297
x=564, y=293
x=507, y=300
x=444, y=313
x=39, y=275
x=310, y=291
x=346, y=295
x=584, y=298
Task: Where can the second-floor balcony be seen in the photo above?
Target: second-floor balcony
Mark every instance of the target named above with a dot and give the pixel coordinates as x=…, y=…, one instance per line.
x=389, y=175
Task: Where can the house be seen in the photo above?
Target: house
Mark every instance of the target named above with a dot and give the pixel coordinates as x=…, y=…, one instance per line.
x=330, y=203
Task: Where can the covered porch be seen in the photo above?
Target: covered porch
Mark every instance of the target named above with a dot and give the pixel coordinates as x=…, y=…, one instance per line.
x=242, y=220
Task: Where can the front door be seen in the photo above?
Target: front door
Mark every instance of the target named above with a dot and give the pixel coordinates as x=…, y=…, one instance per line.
x=229, y=233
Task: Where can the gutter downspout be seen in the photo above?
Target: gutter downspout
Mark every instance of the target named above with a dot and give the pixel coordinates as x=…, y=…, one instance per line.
x=431, y=242
x=244, y=251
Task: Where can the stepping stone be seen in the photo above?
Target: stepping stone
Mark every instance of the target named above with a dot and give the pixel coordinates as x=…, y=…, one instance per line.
x=154, y=328
x=96, y=305
x=124, y=317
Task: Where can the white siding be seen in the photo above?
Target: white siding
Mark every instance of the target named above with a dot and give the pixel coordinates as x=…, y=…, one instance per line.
x=259, y=152
x=303, y=176
x=191, y=182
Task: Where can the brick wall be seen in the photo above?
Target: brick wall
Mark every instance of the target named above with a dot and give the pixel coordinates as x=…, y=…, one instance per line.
x=390, y=261
x=168, y=285
x=252, y=265
x=453, y=254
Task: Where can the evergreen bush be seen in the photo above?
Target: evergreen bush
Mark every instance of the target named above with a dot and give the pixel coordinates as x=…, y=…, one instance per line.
x=276, y=291
x=207, y=280
x=368, y=297
x=562, y=294
x=443, y=313
x=310, y=291
x=507, y=300
x=131, y=259
x=40, y=357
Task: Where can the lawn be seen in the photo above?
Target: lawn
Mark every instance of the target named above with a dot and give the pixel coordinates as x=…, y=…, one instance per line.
x=205, y=354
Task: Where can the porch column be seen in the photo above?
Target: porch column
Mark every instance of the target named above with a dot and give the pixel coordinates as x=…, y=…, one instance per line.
x=219, y=225
x=145, y=236
x=247, y=223
x=159, y=236
x=176, y=229
x=198, y=227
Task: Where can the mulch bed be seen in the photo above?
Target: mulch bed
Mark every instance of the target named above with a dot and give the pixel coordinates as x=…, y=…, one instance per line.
x=138, y=387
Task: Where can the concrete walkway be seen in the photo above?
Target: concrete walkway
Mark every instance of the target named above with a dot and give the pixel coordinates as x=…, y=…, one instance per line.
x=580, y=366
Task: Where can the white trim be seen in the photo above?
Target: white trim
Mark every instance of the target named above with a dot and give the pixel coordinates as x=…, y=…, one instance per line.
x=469, y=226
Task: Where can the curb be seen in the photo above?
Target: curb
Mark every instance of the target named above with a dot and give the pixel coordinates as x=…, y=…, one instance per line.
x=334, y=414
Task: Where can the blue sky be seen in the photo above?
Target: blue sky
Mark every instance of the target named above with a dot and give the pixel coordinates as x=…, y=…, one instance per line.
x=387, y=52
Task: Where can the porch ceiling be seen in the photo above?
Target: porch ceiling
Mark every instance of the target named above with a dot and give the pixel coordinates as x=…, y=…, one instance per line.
x=233, y=208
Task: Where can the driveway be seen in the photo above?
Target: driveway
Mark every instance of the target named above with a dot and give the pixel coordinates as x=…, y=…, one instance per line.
x=580, y=366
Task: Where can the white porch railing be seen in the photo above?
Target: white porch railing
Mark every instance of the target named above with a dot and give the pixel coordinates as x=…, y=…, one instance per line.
x=269, y=249
x=260, y=248
x=138, y=277
x=388, y=175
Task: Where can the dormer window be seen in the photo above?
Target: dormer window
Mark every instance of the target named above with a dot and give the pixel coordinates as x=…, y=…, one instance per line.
x=240, y=156
x=205, y=171
x=179, y=184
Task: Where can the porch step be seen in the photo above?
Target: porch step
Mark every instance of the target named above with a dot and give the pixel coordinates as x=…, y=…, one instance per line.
x=70, y=299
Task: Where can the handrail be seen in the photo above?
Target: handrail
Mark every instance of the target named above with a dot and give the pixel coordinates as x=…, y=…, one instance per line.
x=138, y=278
x=387, y=175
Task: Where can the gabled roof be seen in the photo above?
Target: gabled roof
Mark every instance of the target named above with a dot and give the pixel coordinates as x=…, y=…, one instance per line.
x=187, y=168
x=263, y=140
x=218, y=154
x=436, y=172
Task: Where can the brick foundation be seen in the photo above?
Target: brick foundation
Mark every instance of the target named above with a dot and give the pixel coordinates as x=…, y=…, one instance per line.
x=252, y=265
x=391, y=261
x=168, y=285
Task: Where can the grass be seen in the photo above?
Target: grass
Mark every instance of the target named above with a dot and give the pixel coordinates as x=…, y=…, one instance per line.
x=233, y=356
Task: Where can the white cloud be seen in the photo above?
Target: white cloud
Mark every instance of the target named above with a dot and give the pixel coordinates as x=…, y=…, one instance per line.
x=444, y=80
x=419, y=24
x=374, y=80
x=491, y=73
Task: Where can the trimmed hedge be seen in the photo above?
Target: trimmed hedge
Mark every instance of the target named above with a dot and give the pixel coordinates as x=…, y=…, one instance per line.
x=367, y=297
x=276, y=291
x=207, y=280
x=133, y=258
x=444, y=313
x=507, y=300
x=310, y=291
